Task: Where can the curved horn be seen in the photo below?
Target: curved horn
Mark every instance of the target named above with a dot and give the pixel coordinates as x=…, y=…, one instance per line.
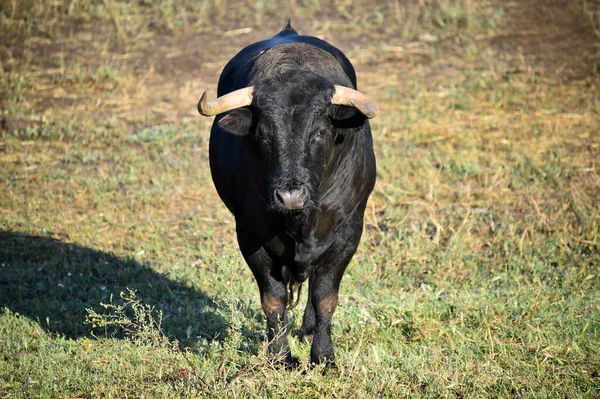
x=235, y=99
x=354, y=98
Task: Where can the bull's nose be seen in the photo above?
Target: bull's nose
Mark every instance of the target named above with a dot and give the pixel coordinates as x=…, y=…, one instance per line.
x=294, y=199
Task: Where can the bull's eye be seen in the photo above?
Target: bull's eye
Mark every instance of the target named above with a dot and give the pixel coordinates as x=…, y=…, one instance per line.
x=319, y=135
x=263, y=142
x=263, y=138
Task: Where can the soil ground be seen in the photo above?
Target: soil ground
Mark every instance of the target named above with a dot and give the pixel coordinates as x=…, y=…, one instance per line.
x=479, y=266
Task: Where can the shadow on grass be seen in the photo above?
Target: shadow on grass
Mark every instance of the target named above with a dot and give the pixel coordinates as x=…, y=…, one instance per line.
x=54, y=282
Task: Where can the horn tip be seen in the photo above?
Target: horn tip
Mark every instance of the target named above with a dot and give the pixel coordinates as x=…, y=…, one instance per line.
x=369, y=109
x=373, y=111
x=202, y=105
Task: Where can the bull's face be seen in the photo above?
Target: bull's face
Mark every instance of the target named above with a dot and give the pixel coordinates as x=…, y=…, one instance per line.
x=292, y=121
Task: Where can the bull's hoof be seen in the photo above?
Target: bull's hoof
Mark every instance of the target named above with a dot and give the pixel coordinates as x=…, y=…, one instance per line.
x=305, y=337
x=293, y=364
x=330, y=367
x=286, y=362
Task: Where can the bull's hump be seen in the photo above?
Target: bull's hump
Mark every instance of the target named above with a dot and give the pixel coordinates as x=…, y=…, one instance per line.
x=237, y=72
x=284, y=57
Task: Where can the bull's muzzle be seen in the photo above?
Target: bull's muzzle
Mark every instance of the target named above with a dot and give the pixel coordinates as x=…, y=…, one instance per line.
x=292, y=199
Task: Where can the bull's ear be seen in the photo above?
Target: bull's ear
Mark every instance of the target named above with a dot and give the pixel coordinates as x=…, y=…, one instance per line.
x=345, y=117
x=237, y=121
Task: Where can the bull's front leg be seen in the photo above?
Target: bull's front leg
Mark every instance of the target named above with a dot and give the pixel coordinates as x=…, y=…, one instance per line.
x=273, y=296
x=324, y=298
x=325, y=283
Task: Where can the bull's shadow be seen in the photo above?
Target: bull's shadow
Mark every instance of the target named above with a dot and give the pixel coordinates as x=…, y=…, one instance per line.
x=53, y=283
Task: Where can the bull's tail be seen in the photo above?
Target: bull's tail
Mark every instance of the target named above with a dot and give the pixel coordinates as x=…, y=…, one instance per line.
x=291, y=286
x=294, y=277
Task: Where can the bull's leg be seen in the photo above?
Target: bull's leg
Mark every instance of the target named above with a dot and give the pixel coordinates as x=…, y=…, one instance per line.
x=308, y=321
x=273, y=296
x=324, y=297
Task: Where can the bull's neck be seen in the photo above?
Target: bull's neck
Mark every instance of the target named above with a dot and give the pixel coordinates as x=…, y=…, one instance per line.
x=299, y=225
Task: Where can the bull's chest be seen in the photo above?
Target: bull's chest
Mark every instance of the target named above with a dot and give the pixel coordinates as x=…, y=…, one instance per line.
x=302, y=244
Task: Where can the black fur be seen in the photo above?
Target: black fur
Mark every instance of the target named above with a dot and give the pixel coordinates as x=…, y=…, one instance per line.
x=292, y=137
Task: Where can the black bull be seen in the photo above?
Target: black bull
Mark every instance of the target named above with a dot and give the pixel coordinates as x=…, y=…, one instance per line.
x=291, y=156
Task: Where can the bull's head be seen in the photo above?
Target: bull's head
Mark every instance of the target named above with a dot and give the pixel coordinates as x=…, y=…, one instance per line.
x=293, y=120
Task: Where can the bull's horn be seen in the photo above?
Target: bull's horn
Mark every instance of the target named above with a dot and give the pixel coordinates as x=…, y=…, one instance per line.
x=235, y=99
x=354, y=98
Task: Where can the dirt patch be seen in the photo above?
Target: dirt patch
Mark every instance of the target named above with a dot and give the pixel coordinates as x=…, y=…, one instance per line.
x=84, y=68
x=551, y=37
x=13, y=125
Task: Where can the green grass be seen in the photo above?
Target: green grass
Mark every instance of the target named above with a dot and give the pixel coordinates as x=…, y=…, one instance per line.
x=479, y=268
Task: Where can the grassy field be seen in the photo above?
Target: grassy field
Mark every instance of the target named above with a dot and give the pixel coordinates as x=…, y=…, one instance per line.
x=479, y=270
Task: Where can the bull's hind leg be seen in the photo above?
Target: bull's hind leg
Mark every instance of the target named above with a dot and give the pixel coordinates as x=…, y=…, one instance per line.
x=308, y=321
